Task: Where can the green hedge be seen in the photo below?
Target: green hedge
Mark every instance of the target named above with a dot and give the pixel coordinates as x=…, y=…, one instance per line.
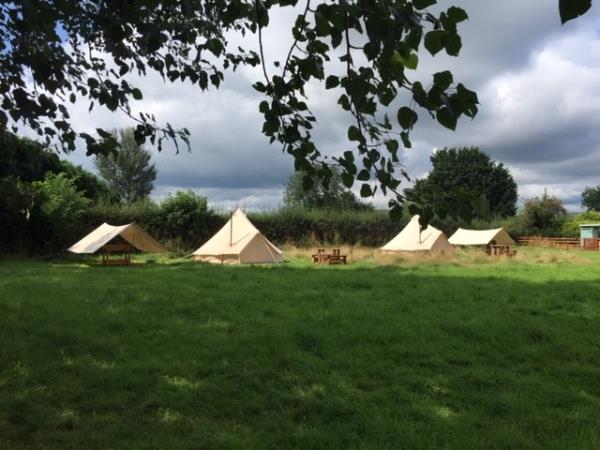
x=298, y=227
x=306, y=227
x=287, y=226
x=185, y=222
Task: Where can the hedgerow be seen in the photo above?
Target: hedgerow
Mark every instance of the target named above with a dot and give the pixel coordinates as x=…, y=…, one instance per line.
x=183, y=222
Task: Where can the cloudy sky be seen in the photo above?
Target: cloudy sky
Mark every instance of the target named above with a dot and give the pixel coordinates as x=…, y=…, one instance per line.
x=538, y=83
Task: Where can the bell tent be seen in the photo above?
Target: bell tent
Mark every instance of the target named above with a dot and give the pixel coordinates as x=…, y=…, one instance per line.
x=238, y=242
x=413, y=239
x=105, y=233
x=498, y=236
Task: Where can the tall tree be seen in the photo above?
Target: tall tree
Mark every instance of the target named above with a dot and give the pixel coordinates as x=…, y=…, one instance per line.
x=304, y=192
x=590, y=198
x=468, y=171
x=26, y=159
x=129, y=172
x=88, y=183
x=54, y=52
x=22, y=161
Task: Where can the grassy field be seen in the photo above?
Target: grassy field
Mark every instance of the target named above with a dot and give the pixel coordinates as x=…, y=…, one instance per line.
x=457, y=353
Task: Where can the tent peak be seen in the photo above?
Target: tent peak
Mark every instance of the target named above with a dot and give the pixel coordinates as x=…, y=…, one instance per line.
x=238, y=241
x=414, y=238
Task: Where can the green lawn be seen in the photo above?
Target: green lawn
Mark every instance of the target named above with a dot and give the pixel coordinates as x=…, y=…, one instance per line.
x=182, y=356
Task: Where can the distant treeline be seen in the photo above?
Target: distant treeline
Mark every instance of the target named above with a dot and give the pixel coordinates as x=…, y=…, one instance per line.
x=47, y=204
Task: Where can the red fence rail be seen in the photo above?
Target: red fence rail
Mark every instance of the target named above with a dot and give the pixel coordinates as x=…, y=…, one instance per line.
x=559, y=242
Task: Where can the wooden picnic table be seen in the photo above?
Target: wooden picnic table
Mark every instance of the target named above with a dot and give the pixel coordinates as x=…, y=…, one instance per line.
x=500, y=250
x=124, y=251
x=335, y=257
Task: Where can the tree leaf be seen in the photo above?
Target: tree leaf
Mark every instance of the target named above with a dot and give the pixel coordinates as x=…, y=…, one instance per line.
x=264, y=107
x=405, y=140
x=407, y=117
x=433, y=41
x=354, y=133
x=443, y=79
x=410, y=62
x=136, y=93
x=322, y=25
x=468, y=99
x=215, y=46
x=571, y=9
x=392, y=146
x=260, y=87
x=446, y=118
x=453, y=43
x=331, y=82
x=363, y=175
x=365, y=190
x=422, y=4
x=456, y=14
x=347, y=179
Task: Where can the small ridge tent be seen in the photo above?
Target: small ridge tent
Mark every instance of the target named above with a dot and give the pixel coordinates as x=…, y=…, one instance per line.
x=463, y=236
x=131, y=233
x=413, y=239
x=238, y=242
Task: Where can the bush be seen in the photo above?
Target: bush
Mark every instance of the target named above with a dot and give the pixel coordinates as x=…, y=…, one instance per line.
x=571, y=226
x=57, y=212
x=545, y=215
x=186, y=217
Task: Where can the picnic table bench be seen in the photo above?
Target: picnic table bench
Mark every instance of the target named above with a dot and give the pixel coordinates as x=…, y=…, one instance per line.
x=124, y=251
x=335, y=257
x=500, y=250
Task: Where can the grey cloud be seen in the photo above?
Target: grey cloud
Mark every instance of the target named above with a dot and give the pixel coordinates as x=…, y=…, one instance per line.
x=548, y=138
x=228, y=199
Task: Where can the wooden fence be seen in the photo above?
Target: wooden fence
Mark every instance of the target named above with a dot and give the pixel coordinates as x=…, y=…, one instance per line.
x=559, y=242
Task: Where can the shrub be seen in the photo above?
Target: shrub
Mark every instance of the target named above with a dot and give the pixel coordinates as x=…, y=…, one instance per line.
x=57, y=212
x=544, y=215
x=571, y=226
x=185, y=216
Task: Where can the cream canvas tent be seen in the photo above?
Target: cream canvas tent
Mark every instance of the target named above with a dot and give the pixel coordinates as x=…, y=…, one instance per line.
x=238, y=242
x=413, y=239
x=481, y=237
x=105, y=233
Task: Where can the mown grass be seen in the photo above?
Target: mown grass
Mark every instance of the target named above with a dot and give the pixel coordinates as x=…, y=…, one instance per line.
x=458, y=353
